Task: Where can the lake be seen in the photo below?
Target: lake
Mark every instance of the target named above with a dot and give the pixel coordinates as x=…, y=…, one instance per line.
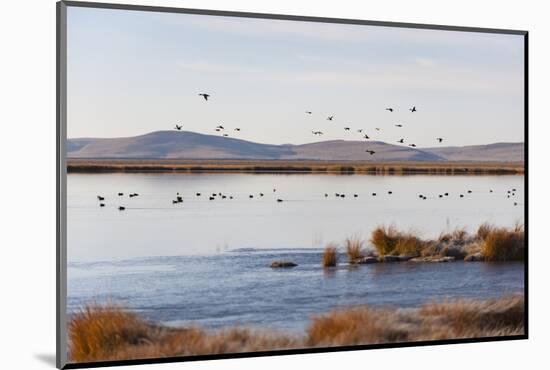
x=206, y=262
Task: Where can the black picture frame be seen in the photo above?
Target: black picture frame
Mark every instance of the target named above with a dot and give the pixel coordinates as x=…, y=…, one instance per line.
x=61, y=121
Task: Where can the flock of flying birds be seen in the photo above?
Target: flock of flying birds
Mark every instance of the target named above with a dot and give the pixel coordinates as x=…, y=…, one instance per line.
x=220, y=128
x=510, y=194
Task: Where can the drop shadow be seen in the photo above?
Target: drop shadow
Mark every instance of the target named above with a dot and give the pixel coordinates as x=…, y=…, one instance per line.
x=46, y=358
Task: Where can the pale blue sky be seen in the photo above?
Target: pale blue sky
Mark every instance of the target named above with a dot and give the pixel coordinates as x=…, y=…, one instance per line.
x=133, y=72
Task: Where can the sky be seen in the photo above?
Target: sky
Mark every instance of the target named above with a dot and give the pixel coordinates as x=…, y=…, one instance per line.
x=133, y=72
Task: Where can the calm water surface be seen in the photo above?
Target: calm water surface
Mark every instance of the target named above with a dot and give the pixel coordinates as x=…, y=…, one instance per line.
x=207, y=262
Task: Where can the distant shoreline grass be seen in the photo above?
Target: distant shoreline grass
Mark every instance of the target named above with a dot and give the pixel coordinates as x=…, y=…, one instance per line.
x=110, y=332
x=75, y=165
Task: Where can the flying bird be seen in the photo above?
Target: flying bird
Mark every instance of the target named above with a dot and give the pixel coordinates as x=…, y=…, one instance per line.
x=329, y=118
x=317, y=132
x=371, y=152
x=402, y=141
x=360, y=130
x=440, y=139
x=413, y=109
x=346, y=128
x=178, y=127
x=308, y=112
x=220, y=127
x=237, y=129
x=398, y=125
x=377, y=128
x=366, y=136
x=205, y=96
x=413, y=145
x=389, y=109
x=225, y=135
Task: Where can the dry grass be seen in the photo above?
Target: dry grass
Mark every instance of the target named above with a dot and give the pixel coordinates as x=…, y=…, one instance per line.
x=90, y=165
x=330, y=256
x=102, y=333
x=385, y=239
x=354, y=249
x=489, y=242
x=501, y=244
x=390, y=241
x=435, y=321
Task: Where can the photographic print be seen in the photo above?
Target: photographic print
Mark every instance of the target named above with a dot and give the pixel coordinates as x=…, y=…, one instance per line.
x=240, y=184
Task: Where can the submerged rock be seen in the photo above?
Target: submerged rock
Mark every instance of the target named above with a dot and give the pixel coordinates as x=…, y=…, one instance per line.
x=475, y=257
x=433, y=259
x=283, y=264
x=366, y=260
x=390, y=259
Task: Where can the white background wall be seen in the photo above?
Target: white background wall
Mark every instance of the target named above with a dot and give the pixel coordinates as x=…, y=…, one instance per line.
x=27, y=206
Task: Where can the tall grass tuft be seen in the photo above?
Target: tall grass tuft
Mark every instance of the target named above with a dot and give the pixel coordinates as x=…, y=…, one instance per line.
x=330, y=256
x=354, y=249
x=484, y=230
x=384, y=239
x=501, y=244
x=98, y=332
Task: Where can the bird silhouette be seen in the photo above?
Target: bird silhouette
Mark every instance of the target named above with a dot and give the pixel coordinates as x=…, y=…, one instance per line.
x=121, y=208
x=389, y=109
x=317, y=132
x=399, y=125
x=102, y=204
x=440, y=139
x=100, y=197
x=225, y=135
x=360, y=130
x=178, y=127
x=120, y=194
x=279, y=200
x=205, y=96
x=346, y=128
x=413, y=109
x=329, y=118
x=237, y=129
x=402, y=141
x=366, y=136
x=371, y=152
x=377, y=128
x=220, y=127
x=308, y=112
x=413, y=145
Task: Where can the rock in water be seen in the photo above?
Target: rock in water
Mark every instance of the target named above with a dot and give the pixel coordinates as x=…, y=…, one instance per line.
x=283, y=264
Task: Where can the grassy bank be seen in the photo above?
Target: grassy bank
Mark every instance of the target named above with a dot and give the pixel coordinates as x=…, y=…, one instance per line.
x=111, y=333
x=489, y=243
x=278, y=166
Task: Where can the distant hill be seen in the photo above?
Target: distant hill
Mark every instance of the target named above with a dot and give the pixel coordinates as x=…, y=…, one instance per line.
x=191, y=145
x=499, y=152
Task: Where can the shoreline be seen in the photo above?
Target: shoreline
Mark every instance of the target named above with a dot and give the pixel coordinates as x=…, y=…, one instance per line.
x=111, y=332
x=78, y=165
